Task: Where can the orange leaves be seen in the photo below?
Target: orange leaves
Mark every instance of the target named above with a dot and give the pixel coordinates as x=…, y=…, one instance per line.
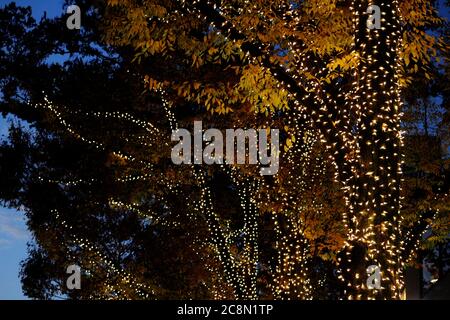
x=197, y=61
x=113, y=3
x=212, y=51
x=152, y=84
x=196, y=85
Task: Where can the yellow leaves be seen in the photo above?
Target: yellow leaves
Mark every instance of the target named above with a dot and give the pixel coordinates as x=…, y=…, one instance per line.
x=327, y=27
x=404, y=79
x=152, y=84
x=344, y=63
x=417, y=53
x=156, y=10
x=171, y=37
x=212, y=51
x=406, y=59
x=258, y=87
x=113, y=3
x=323, y=27
x=152, y=47
x=324, y=8
x=183, y=90
x=227, y=51
x=289, y=143
x=419, y=13
x=138, y=22
x=136, y=25
x=216, y=99
x=341, y=65
x=115, y=159
x=248, y=20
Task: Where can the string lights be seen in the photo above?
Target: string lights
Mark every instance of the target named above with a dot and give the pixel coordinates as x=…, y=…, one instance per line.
x=354, y=117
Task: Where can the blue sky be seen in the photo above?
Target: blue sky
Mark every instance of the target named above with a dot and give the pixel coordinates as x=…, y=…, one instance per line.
x=13, y=231
x=13, y=240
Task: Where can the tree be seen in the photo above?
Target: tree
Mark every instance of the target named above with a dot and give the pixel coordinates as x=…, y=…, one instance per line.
x=320, y=56
x=77, y=194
